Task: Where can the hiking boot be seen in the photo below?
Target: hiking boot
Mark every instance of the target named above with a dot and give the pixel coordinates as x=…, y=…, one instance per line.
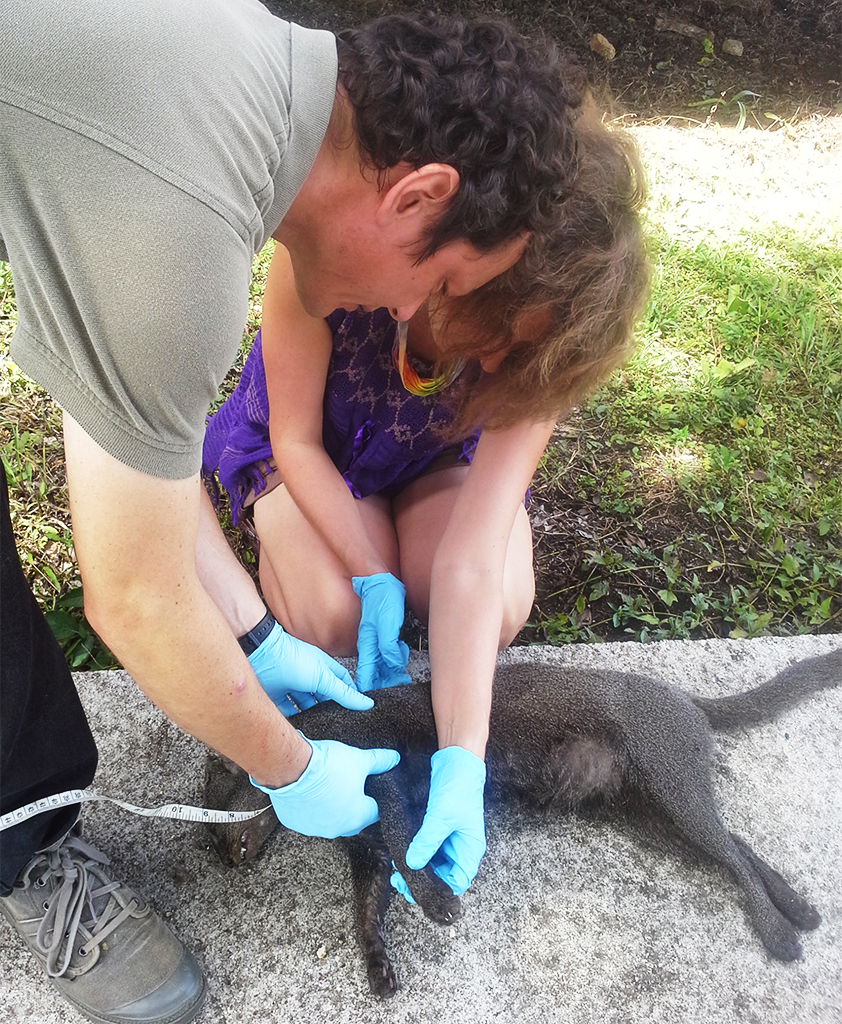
x=103, y=947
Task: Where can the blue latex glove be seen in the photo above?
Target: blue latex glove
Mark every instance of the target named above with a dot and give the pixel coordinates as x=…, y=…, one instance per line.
x=290, y=668
x=381, y=657
x=399, y=884
x=328, y=799
x=452, y=835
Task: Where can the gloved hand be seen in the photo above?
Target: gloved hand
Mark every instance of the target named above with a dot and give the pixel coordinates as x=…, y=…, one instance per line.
x=290, y=668
x=452, y=835
x=399, y=884
x=381, y=657
x=328, y=799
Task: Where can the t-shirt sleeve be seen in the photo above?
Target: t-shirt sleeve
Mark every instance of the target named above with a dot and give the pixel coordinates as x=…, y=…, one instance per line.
x=132, y=296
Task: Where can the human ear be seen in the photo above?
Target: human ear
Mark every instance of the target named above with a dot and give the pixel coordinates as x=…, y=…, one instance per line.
x=417, y=196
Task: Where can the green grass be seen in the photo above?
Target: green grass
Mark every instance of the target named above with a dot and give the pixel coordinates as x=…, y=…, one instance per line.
x=724, y=429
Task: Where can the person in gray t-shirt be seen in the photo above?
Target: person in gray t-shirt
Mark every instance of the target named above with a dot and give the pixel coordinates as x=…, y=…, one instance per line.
x=147, y=151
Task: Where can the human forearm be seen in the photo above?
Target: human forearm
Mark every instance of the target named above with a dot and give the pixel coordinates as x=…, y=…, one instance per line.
x=188, y=663
x=297, y=350
x=135, y=539
x=342, y=526
x=208, y=688
x=222, y=574
x=466, y=607
x=482, y=583
x=471, y=589
x=462, y=653
x=323, y=497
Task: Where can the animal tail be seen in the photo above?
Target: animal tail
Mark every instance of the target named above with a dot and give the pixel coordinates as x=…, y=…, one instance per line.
x=776, y=695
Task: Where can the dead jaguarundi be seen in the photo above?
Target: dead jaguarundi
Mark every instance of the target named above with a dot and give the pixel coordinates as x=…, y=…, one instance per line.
x=560, y=738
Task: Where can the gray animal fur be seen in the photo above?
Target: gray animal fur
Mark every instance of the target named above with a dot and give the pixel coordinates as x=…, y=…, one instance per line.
x=560, y=739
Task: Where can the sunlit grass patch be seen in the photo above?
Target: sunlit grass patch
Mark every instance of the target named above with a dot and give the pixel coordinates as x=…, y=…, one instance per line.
x=709, y=466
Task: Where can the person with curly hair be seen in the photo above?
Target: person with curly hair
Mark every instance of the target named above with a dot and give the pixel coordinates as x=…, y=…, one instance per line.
x=387, y=462
x=148, y=151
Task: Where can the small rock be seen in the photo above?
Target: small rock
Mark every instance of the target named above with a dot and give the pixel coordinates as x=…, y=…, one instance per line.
x=180, y=874
x=321, y=952
x=601, y=46
x=732, y=46
x=585, y=619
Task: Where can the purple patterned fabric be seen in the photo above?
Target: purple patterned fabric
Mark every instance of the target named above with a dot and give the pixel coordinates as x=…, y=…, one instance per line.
x=378, y=435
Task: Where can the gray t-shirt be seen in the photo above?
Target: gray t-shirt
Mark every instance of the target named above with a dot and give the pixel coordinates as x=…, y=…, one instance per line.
x=148, y=149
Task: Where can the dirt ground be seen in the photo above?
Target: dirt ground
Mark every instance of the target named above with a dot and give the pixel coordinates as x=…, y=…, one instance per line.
x=791, y=50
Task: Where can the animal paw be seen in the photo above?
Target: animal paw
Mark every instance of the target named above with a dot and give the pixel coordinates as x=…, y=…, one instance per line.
x=803, y=915
x=445, y=911
x=381, y=976
x=795, y=908
x=435, y=897
x=227, y=788
x=781, y=941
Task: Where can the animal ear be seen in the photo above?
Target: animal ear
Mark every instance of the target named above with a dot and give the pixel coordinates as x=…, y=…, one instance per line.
x=417, y=196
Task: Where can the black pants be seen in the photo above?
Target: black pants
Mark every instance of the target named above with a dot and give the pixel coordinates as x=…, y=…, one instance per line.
x=46, y=744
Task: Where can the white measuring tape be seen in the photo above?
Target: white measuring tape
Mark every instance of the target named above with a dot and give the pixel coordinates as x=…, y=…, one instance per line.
x=181, y=812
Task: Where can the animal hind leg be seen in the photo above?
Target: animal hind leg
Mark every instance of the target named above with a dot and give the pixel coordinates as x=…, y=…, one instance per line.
x=371, y=866
x=793, y=906
x=713, y=840
x=680, y=789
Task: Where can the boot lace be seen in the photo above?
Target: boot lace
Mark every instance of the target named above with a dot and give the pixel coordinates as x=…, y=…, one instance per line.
x=81, y=885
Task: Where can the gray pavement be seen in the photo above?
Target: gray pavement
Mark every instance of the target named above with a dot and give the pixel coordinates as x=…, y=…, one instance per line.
x=567, y=921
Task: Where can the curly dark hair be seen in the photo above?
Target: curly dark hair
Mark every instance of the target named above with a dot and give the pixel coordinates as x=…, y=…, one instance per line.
x=477, y=95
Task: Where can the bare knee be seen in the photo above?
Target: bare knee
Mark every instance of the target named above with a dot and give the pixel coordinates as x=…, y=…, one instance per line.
x=518, y=580
x=518, y=598
x=331, y=622
x=517, y=606
x=336, y=637
x=332, y=629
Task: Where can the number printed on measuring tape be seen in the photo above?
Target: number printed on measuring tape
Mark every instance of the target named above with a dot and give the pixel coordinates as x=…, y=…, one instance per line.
x=180, y=812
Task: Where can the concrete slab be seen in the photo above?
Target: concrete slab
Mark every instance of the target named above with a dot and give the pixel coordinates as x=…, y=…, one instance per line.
x=566, y=921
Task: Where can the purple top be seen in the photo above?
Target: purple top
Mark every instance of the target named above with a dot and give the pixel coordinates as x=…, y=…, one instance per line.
x=378, y=435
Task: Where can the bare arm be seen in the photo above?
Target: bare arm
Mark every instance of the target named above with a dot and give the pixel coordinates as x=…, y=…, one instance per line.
x=466, y=613
x=223, y=575
x=135, y=539
x=466, y=589
x=296, y=355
